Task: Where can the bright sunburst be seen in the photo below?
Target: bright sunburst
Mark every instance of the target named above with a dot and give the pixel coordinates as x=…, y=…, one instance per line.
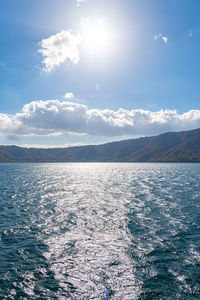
x=96, y=36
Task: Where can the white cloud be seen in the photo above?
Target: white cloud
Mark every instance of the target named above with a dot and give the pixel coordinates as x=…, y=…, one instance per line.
x=69, y=96
x=9, y=124
x=162, y=37
x=190, y=33
x=53, y=117
x=59, y=48
x=165, y=39
x=41, y=146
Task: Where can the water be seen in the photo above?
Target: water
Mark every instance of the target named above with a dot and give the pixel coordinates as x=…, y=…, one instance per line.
x=97, y=231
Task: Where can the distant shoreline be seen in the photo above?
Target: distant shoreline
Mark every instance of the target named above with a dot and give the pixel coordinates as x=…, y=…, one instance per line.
x=170, y=147
x=104, y=162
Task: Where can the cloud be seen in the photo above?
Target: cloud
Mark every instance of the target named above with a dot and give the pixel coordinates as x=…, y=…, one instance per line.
x=13, y=137
x=190, y=33
x=59, y=48
x=53, y=117
x=41, y=146
x=157, y=36
x=79, y=2
x=165, y=39
x=69, y=96
x=161, y=37
x=97, y=86
x=9, y=124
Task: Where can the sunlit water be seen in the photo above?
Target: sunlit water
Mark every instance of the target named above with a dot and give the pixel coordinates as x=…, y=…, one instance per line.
x=75, y=231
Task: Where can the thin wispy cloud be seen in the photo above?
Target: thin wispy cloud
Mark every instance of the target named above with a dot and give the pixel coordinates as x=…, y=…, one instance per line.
x=97, y=86
x=54, y=117
x=41, y=146
x=79, y=2
x=162, y=37
x=59, y=48
x=190, y=33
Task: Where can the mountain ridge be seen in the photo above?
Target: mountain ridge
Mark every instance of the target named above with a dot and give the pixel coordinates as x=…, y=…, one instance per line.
x=181, y=146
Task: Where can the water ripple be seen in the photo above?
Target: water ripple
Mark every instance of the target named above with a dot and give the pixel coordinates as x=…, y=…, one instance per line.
x=70, y=231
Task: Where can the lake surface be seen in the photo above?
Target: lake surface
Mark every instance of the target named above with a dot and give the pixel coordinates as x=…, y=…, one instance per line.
x=97, y=231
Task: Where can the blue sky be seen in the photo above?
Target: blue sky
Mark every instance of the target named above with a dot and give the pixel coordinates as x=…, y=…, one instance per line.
x=132, y=68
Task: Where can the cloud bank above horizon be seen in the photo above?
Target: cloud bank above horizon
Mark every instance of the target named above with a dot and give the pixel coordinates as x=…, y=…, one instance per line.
x=55, y=117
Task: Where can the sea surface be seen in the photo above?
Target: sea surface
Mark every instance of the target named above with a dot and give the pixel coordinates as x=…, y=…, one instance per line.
x=100, y=231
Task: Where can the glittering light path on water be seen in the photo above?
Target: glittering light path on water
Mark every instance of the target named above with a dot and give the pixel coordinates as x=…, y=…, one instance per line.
x=95, y=217
x=105, y=294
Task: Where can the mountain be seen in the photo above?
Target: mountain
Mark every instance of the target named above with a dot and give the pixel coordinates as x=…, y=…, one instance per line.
x=168, y=147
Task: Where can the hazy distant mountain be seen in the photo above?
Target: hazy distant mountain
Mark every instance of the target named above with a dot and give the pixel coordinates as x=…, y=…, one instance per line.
x=168, y=147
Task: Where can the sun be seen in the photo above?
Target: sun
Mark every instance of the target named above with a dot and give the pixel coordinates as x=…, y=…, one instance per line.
x=96, y=36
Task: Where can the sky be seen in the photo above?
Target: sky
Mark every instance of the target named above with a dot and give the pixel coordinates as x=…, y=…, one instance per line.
x=76, y=72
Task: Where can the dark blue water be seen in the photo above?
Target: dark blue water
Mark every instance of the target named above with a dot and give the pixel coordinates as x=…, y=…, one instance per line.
x=84, y=231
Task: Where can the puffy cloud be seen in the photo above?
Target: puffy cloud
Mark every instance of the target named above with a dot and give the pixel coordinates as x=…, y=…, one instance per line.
x=59, y=48
x=53, y=117
x=161, y=37
x=69, y=96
